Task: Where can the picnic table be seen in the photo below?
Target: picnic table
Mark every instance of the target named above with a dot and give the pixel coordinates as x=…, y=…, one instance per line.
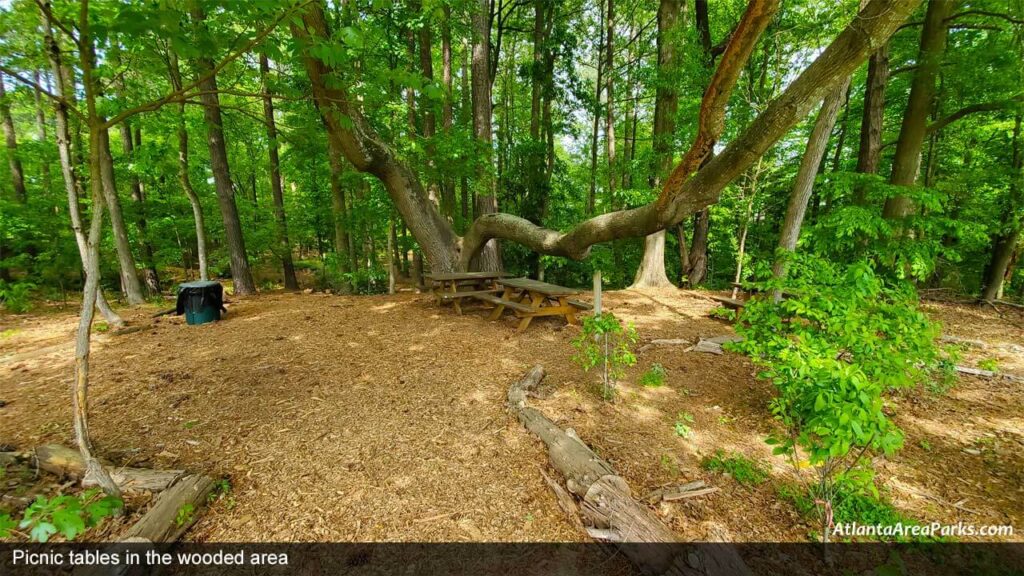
x=454, y=286
x=530, y=298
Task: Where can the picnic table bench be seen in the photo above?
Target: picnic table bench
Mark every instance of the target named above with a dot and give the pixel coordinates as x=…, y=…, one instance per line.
x=529, y=298
x=455, y=286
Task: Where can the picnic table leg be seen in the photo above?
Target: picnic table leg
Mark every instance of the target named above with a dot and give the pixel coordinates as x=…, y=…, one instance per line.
x=455, y=301
x=536, y=300
x=500, y=307
x=570, y=316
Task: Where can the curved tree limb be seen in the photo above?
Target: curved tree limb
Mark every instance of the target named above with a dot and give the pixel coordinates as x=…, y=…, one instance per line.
x=941, y=123
x=683, y=196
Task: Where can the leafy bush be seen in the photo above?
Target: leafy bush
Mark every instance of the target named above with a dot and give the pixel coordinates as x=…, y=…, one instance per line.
x=67, y=515
x=16, y=296
x=833, y=348
x=654, y=377
x=742, y=469
x=605, y=342
x=990, y=364
x=723, y=313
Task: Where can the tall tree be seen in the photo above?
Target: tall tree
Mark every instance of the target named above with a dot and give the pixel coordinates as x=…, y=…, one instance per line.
x=284, y=244
x=489, y=257
x=11, y=140
x=696, y=269
x=1006, y=240
x=651, y=272
x=72, y=184
x=130, y=284
x=906, y=162
x=44, y=167
x=149, y=274
x=183, y=169
x=240, y=274
x=869, y=153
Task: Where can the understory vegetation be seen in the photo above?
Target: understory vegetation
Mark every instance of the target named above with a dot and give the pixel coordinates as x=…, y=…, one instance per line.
x=826, y=164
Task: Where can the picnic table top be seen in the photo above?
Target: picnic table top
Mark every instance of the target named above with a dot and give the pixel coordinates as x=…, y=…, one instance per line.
x=446, y=276
x=538, y=286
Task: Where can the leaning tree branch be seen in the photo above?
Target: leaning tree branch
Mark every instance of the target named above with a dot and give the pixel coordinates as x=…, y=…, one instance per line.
x=862, y=37
x=35, y=85
x=1014, y=102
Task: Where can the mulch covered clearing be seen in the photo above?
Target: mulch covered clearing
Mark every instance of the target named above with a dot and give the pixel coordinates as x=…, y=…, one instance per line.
x=382, y=418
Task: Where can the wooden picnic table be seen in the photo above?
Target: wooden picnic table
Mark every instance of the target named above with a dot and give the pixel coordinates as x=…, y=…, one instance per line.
x=530, y=298
x=454, y=286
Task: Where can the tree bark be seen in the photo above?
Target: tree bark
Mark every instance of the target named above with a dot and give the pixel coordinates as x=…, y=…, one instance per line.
x=447, y=180
x=72, y=185
x=803, y=184
x=11, y=140
x=906, y=162
x=686, y=191
x=1005, y=243
x=149, y=273
x=651, y=272
x=183, y=171
x=609, y=107
x=869, y=153
x=489, y=258
x=240, y=273
x=129, y=277
x=284, y=244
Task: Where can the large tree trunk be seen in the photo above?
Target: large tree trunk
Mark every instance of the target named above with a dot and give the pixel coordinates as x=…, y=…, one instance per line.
x=240, y=274
x=687, y=190
x=72, y=185
x=183, y=175
x=11, y=140
x=609, y=106
x=129, y=278
x=1005, y=242
x=906, y=162
x=869, y=154
x=697, y=267
x=596, y=124
x=803, y=184
x=284, y=244
x=486, y=197
x=149, y=274
x=651, y=272
x=447, y=180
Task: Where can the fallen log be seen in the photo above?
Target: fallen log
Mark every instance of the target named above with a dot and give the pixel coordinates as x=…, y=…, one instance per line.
x=988, y=374
x=664, y=342
x=174, y=510
x=64, y=461
x=607, y=504
x=1009, y=347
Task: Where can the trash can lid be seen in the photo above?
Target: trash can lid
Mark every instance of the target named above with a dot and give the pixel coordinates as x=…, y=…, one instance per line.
x=198, y=284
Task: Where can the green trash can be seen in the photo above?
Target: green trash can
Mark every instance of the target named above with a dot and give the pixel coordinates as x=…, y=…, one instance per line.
x=200, y=302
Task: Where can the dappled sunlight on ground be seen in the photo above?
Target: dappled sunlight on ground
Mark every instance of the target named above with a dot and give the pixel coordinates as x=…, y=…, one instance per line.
x=335, y=424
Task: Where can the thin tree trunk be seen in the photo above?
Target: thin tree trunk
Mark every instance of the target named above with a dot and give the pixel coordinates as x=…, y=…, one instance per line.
x=804, y=182
x=183, y=172
x=284, y=244
x=609, y=94
x=598, y=87
x=129, y=277
x=72, y=185
x=906, y=161
x=11, y=139
x=240, y=273
x=1005, y=243
x=149, y=273
x=41, y=131
x=447, y=180
x=697, y=267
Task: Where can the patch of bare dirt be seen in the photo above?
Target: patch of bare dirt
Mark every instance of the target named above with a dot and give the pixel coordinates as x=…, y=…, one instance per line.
x=382, y=418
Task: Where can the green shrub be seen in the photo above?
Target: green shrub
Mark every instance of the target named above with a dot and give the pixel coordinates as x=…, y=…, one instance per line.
x=654, y=377
x=833, y=348
x=16, y=296
x=742, y=469
x=604, y=342
x=67, y=515
x=990, y=364
x=723, y=313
